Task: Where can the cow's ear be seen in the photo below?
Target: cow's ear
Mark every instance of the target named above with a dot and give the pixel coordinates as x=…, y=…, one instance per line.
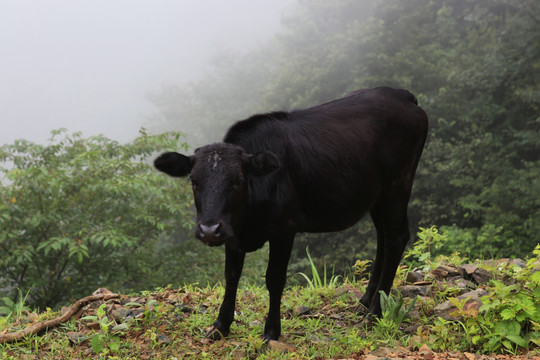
x=174, y=164
x=261, y=163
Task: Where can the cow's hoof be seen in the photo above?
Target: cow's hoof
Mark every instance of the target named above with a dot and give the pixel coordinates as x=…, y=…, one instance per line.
x=367, y=320
x=215, y=334
x=271, y=336
x=362, y=309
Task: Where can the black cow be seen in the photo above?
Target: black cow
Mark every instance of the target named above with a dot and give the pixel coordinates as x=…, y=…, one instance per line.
x=313, y=170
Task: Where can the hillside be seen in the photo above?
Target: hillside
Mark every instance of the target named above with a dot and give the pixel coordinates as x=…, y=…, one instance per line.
x=474, y=310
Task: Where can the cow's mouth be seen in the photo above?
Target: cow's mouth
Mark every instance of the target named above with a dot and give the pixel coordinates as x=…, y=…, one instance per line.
x=216, y=241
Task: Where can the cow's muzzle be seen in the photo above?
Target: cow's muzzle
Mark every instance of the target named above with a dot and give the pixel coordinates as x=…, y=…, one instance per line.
x=210, y=233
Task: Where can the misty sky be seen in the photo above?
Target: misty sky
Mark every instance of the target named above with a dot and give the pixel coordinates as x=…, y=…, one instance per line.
x=88, y=65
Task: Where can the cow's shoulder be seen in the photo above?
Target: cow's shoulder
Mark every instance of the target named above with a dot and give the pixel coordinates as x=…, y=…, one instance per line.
x=253, y=126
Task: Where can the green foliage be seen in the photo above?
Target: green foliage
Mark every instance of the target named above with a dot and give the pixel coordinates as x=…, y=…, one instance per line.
x=507, y=321
x=81, y=213
x=14, y=309
x=473, y=66
x=394, y=310
x=103, y=341
x=428, y=241
x=316, y=280
x=393, y=314
x=361, y=268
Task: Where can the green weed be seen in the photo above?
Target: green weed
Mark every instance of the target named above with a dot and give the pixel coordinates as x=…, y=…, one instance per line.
x=14, y=309
x=316, y=280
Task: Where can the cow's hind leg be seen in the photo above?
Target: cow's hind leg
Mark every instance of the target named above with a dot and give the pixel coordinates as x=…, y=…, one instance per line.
x=389, y=215
x=377, y=267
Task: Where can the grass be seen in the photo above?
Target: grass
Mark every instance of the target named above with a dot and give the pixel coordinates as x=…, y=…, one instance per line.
x=318, y=322
x=165, y=331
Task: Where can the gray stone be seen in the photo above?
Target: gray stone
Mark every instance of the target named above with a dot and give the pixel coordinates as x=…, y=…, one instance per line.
x=120, y=314
x=468, y=269
x=301, y=310
x=411, y=291
x=415, y=276
x=443, y=271
x=519, y=263
x=280, y=346
x=481, y=276
x=76, y=338
x=164, y=339
x=446, y=309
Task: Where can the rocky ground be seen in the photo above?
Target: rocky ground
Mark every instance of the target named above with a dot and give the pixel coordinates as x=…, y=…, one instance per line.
x=158, y=315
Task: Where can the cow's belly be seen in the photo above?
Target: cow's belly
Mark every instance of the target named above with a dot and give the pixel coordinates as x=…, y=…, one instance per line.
x=334, y=214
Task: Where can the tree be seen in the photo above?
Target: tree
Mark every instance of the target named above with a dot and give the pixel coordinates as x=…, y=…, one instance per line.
x=81, y=213
x=474, y=67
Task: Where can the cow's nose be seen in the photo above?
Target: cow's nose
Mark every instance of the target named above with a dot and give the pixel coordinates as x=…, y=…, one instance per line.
x=210, y=230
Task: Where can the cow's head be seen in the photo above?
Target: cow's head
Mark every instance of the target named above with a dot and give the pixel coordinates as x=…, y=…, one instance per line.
x=219, y=176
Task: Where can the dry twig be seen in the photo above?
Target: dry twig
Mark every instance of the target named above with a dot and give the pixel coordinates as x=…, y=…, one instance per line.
x=49, y=324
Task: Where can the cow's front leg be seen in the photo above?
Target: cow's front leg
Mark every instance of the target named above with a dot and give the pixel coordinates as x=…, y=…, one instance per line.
x=234, y=262
x=276, y=276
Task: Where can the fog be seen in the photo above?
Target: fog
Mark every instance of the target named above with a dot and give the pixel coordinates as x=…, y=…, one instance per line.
x=88, y=65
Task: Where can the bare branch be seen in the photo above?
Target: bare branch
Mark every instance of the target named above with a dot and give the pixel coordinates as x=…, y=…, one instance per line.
x=49, y=324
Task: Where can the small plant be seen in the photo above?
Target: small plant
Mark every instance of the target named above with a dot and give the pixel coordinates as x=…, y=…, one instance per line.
x=428, y=240
x=104, y=340
x=395, y=310
x=393, y=314
x=508, y=319
x=14, y=309
x=317, y=281
x=361, y=268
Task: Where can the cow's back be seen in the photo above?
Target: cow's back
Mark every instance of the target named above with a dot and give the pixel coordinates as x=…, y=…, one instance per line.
x=332, y=153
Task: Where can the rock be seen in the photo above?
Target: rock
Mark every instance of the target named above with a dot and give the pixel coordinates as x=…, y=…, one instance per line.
x=468, y=269
x=415, y=276
x=136, y=301
x=472, y=271
x=173, y=299
x=164, y=339
x=443, y=271
x=239, y=354
x=280, y=346
x=411, y=291
x=370, y=357
x=102, y=291
x=135, y=314
x=411, y=329
x=481, y=276
x=381, y=352
x=446, y=309
x=120, y=314
x=93, y=325
x=519, y=263
x=300, y=310
x=76, y=337
x=463, y=284
x=426, y=352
